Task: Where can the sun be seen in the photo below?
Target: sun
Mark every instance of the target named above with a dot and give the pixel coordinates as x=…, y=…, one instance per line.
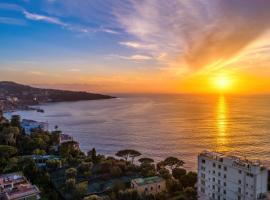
x=222, y=82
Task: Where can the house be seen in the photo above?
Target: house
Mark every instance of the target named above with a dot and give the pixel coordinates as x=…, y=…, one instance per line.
x=222, y=177
x=65, y=138
x=152, y=185
x=15, y=186
x=30, y=125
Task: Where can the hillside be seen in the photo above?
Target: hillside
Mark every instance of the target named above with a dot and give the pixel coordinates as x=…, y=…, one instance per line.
x=17, y=96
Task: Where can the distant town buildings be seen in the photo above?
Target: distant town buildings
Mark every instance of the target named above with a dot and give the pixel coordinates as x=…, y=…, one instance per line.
x=151, y=185
x=30, y=125
x=15, y=186
x=224, y=177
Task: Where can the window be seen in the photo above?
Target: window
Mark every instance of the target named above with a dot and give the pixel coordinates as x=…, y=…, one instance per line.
x=158, y=186
x=219, y=174
x=240, y=172
x=225, y=168
x=225, y=176
x=239, y=181
x=203, y=161
x=213, y=187
x=224, y=184
x=151, y=188
x=213, y=179
x=214, y=172
x=214, y=164
x=224, y=191
x=219, y=166
x=239, y=190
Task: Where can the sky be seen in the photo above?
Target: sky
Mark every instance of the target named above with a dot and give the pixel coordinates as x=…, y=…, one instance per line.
x=137, y=46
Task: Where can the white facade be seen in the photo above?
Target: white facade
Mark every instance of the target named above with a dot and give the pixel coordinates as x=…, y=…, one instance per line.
x=222, y=177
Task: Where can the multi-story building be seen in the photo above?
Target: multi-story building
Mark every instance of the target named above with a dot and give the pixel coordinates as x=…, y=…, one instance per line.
x=15, y=186
x=224, y=177
x=151, y=185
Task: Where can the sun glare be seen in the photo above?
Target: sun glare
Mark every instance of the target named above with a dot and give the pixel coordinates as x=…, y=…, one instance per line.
x=222, y=83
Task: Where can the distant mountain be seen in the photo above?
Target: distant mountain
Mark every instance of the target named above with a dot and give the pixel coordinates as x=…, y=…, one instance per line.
x=18, y=96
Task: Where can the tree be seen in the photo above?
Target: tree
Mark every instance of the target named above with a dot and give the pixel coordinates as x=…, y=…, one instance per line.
x=173, y=162
x=115, y=171
x=92, y=197
x=93, y=155
x=189, y=180
x=129, y=194
x=53, y=164
x=178, y=172
x=146, y=160
x=190, y=193
x=7, y=151
x=15, y=121
x=128, y=153
x=9, y=135
x=71, y=173
x=164, y=173
x=39, y=152
x=70, y=184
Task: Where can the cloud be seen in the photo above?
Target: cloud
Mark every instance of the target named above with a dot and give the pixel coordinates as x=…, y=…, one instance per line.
x=197, y=33
x=138, y=45
x=74, y=70
x=136, y=57
x=12, y=21
x=38, y=17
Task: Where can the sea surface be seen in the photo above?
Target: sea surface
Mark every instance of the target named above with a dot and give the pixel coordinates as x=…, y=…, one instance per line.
x=166, y=125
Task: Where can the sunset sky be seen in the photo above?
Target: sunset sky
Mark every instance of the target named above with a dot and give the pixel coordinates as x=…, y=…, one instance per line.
x=155, y=46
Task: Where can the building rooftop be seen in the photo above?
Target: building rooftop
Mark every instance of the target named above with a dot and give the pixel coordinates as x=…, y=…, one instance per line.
x=16, y=186
x=146, y=181
x=240, y=160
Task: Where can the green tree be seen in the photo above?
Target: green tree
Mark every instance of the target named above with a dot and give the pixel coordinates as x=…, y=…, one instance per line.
x=178, y=173
x=128, y=194
x=189, y=180
x=190, y=193
x=71, y=173
x=128, y=153
x=70, y=184
x=39, y=152
x=146, y=160
x=93, y=155
x=15, y=121
x=164, y=173
x=53, y=164
x=115, y=171
x=173, y=162
x=9, y=135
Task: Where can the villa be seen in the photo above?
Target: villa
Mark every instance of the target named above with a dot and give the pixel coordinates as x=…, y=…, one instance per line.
x=29, y=125
x=152, y=185
x=15, y=186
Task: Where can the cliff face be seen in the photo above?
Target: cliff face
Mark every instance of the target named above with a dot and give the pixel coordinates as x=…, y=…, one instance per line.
x=18, y=96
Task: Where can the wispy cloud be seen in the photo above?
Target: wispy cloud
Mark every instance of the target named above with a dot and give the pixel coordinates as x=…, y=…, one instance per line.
x=38, y=17
x=138, y=45
x=197, y=33
x=136, y=57
x=74, y=70
x=12, y=21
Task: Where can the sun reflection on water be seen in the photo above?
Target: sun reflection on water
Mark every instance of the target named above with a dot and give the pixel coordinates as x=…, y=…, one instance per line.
x=221, y=123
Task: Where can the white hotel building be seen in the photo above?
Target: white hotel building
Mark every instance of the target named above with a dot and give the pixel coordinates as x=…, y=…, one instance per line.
x=223, y=177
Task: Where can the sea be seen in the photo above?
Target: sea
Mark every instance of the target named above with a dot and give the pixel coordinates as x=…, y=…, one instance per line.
x=159, y=126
